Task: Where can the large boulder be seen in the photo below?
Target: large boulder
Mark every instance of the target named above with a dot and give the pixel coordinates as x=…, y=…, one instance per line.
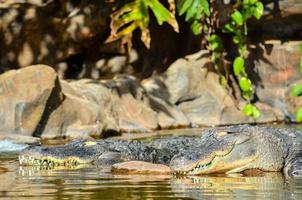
x=274, y=67
x=195, y=89
x=121, y=100
x=24, y=97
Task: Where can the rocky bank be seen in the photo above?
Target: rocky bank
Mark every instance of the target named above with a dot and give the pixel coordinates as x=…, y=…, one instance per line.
x=35, y=102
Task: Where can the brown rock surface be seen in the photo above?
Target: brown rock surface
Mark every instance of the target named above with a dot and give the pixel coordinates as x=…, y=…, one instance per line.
x=168, y=114
x=123, y=101
x=277, y=67
x=24, y=96
x=140, y=167
x=197, y=92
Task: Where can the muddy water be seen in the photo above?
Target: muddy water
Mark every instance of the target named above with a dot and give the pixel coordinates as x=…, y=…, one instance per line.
x=91, y=182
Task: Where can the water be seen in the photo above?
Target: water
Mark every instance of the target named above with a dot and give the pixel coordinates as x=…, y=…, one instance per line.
x=94, y=183
x=91, y=182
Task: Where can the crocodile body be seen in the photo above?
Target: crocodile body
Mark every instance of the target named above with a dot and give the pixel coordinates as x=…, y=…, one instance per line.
x=230, y=149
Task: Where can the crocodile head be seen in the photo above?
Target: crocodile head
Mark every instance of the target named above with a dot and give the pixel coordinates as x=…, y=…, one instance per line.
x=219, y=151
x=72, y=154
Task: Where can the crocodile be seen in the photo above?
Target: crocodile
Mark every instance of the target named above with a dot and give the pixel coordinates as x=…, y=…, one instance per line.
x=231, y=149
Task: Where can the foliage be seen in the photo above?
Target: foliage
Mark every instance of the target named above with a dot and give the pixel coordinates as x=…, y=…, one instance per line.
x=296, y=91
x=195, y=12
x=237, y=27
x=135, y=14
x=251, y=110
x=299, y=115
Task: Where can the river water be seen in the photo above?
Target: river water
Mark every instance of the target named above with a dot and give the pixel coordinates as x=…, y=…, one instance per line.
x=91, y=182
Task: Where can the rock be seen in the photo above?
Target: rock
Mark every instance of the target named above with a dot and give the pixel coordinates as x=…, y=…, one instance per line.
x=273, y=71
x=268, y=114
x=234, y=115
x=123, y=101
x=20, y=139
x=281, y=20
x=168, y=114
x=140, y=167
x=24, y=97
x=73, y=118
x=197, y=92
x=7, y=146
x=133, y=108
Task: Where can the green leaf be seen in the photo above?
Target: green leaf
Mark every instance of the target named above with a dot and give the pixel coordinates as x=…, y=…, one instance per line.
x=236, y=39
x=299, y=115
x=256, y=113
x=205, y=7
x=238, y=66
x=183, y=5
x=162, y=14
x=194, y=9
x=296, y=90
x=215, y=42
x=258, y=10
x=196, y=27
x=247, y=95
x=237, y=17
x=250, y=110
x=228, y=28
x=245, y=84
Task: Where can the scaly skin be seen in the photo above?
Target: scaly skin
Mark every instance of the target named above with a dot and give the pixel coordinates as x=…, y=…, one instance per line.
x=239, y=148
x=105, y=152
x=218, y=150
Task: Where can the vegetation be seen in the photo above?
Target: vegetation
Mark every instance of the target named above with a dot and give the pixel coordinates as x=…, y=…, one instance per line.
x=296, y=90
x=199, y=14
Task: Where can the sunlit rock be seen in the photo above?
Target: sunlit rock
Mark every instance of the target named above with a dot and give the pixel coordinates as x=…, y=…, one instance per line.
x=24, y=96
x=140, y=167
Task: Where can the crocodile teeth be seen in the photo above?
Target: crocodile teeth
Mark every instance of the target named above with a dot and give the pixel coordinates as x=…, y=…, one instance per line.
x=21, y=159
x=50, y=163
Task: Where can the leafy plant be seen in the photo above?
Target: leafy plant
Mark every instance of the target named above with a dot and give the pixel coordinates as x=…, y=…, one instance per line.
x=238, y=29
x=135, y=15
x=296, y=90
x=195, y=12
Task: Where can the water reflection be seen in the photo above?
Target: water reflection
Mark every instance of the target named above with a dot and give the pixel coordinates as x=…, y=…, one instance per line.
x=269, y=186
x=91, y=182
